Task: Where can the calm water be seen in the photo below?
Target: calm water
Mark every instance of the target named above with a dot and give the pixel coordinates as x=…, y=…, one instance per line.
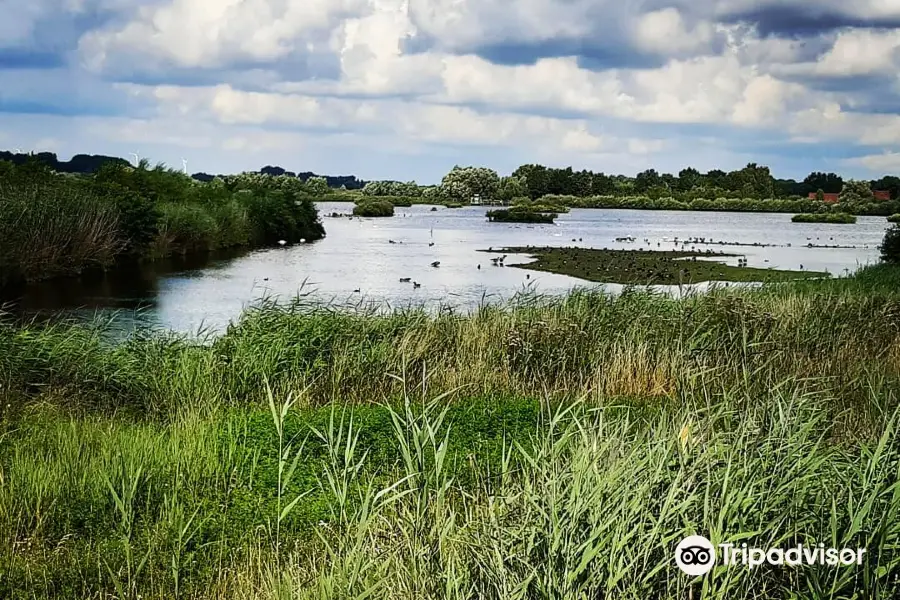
x=357, y=255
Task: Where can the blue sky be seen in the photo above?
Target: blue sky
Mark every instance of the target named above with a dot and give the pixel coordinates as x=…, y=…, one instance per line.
x=405, y=89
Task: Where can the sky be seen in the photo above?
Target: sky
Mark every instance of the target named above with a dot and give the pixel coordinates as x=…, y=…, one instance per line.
x=406, y=89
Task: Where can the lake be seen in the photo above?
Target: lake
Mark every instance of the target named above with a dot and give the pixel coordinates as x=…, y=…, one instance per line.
x=357, y=254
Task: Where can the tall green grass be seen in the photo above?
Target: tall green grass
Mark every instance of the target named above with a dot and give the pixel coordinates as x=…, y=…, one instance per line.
x=551, y=448
x=46, y=231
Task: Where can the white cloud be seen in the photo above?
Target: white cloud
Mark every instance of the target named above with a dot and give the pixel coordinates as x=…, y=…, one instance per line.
x=887, y=162
x=861, y=52
x=665, y=32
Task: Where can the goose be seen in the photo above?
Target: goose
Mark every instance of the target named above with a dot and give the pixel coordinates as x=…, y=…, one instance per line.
x=356, y=291
x=405, y=279
x=416, y=284
x=436, y=264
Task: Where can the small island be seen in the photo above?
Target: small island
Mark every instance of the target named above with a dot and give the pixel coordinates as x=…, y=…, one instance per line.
x=518, y=214
x=647, y=267
x=838, y=218
x=373, y=208
x=894, y=218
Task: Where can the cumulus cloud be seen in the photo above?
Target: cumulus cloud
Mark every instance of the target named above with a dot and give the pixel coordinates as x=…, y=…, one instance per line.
x=598, y=81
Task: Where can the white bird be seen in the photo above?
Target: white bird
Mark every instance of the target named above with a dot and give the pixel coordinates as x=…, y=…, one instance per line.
x=302, y=240
x=281, y=242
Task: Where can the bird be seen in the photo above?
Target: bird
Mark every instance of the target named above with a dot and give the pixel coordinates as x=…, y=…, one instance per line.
x=430, y=244
x=527, y=276
x=281, y=242
x=391, y=242
x=479, y=266
x=356, y=291
x=405, y=279
x=416, y=284
x=436, y=264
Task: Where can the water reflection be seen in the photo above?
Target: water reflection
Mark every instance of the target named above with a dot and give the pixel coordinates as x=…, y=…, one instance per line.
x=364, y=260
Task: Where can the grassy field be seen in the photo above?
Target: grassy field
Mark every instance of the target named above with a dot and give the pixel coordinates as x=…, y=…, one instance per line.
x=550, y=448
x=648, y=267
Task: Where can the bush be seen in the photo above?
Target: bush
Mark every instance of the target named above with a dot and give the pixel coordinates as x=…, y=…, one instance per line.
x=374, y=208
x=185, y=228
x=842, y=218
x=895, y=218
x=520, y=215
x=890, y=245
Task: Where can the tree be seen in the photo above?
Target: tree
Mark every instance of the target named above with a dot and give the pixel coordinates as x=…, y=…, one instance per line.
x=645, y=180
x=856, y=192
x=536, y=179
x=462, y=183
x=317, y=186
x=830, y=183
x=890, y=245
x=511, y=187
x=820, y=195
x=888, y=183
x=688, y=179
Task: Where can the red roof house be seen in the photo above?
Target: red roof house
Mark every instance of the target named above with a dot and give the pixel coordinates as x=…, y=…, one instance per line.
x=882, y=194
x=829, y=198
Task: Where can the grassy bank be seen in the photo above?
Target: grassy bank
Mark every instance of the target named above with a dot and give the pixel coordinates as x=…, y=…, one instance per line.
x=646, y=267
x=550, y=448
x=56, y=225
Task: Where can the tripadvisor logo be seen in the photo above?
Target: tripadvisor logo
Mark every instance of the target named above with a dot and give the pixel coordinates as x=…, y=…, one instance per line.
x=695, y=555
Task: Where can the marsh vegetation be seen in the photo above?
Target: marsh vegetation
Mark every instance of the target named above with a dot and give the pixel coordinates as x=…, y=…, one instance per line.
x=552, y=447
x=55, y=224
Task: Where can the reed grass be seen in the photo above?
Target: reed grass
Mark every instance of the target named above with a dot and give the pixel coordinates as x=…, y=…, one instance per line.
x=550, y=448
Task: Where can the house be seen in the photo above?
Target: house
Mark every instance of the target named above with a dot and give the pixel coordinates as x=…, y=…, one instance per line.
x=882, y=195
x=829, y=198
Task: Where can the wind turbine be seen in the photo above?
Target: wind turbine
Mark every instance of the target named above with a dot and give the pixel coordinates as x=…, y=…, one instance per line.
x=18, y=151
x=184, y=165
x=137, y=158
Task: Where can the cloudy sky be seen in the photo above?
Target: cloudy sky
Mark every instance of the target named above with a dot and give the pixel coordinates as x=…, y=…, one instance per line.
x=405, y=89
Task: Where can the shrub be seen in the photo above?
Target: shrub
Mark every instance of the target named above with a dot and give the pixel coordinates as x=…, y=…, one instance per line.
x=890, y=245
x=185, y=228
x=374, y=208
x=520, y=215
x=842, y=218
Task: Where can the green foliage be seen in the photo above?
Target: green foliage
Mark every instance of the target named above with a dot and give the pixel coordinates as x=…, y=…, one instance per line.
x=857, y=192
x=323, y=453
x=520, y=214
x=52, y=226
x=894, y=218
x=890, y=245
x=392, y=188
x=461, y=184
x=60, y=225
x=374, y=208
x=830, y=217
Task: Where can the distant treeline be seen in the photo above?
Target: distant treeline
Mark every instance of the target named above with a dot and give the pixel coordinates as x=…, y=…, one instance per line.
x=87, y=164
